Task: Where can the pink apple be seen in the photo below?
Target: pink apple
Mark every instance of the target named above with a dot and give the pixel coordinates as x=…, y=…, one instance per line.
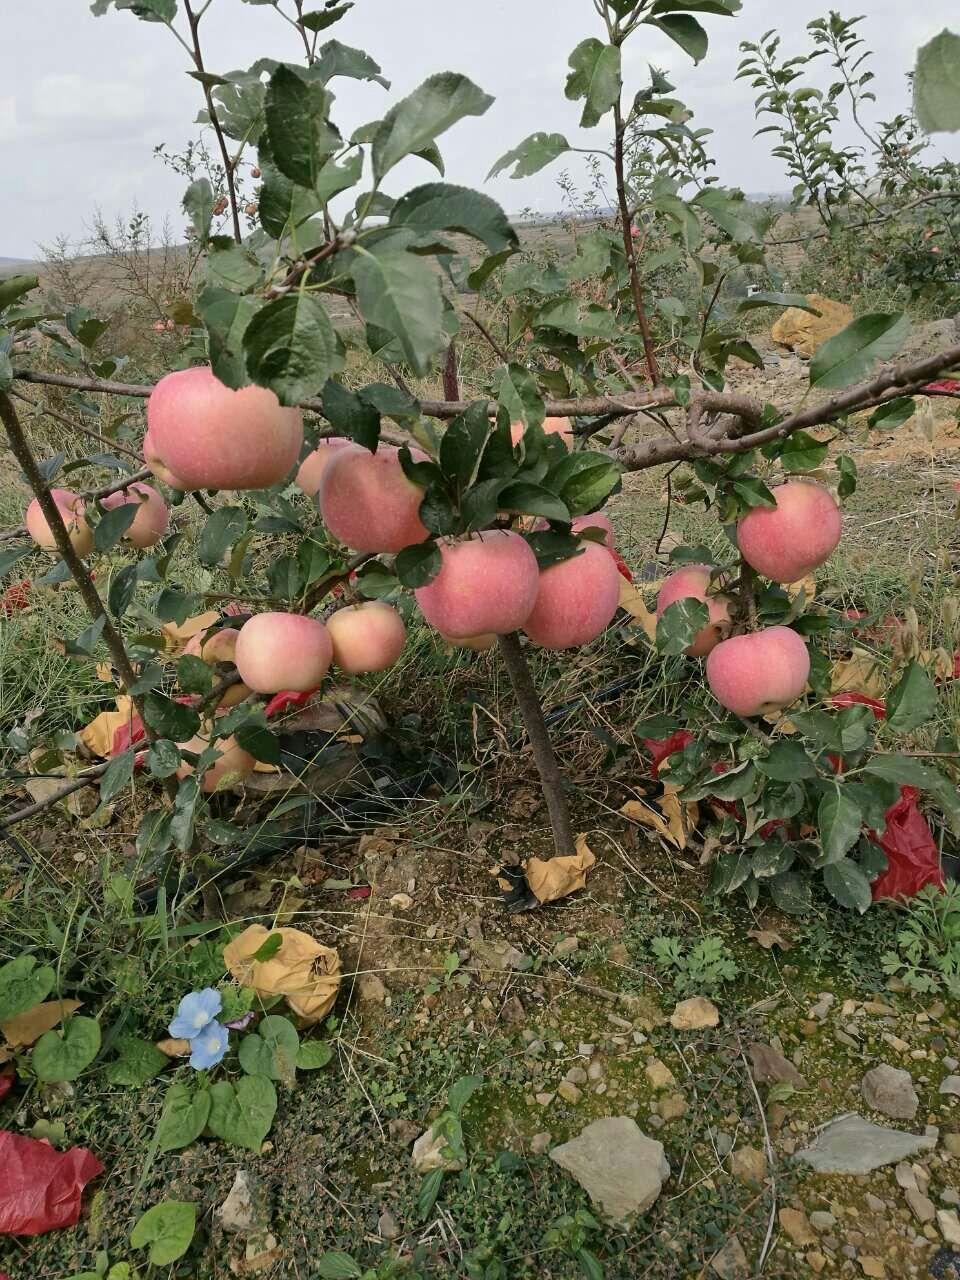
x=487, y=583
x=218, y=646
x=366, y=637
x=693, y=581
x=759, y=672
x=156, y=464
x=368, y=503
x=234, y=763
x=576, y=599
x=153, y=515
x=552, y=426
x=785, y=542
x=595, y=521
x=283, y=651
x=71, y=508
x=314, y=464
x=211, y=437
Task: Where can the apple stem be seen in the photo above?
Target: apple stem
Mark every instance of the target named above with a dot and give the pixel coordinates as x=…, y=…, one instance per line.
x=20, y=447
x=551, y=779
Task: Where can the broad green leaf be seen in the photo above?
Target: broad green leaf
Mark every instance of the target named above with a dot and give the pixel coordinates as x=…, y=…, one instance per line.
x=193, y=674
x=314, y=1054
x=336, y=59
x=801, y=452
x=64, y=1055
x=417, y=120
x=725, y=8
x=839, y=820
x=184, y=1116
x=223, y=528
x=909, y=772
x=912, y=701
x=198, y=206
x=791, y=893
x=23, y=984
x=123, y=585
x=233, y=268
x=786, y=762
x=225, y=316
x=167, y=1228
x=531, y=155
x=352, y=415
x=461, y=1091
x=685, y=217
x=463, y=443
x=338, y=1266
x=587, y=486
x=242, y=1114
x=439, y=206
x=583, y=320
x=271, y=1050
x=730, y=213
x=300, y=135
x=417, y=565
x=429, y=1190
x=529, y=499
x=892, y=413
x=260, y=742
x=118, y=774
x=852, y=353
x=291, y=347
x=320, y=19
x=169, y=719
x=520, y=396
x=113, y=525
x=845, y=882
x=936, y=84
x=14, y=287
x=138, y=1062
x=595, y=77
x=9, y=558
x=685, y=31
x=399, y=292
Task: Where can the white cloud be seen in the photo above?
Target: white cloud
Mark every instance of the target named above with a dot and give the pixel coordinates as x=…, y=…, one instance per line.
x=8, y=119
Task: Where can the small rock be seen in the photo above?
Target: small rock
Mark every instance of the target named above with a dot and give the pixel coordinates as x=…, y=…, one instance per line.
x=905, y=1176
x=922, y=1207
x=816, y=1261
x=540, y=1142
x=851, y=1144
x=402, y=901
x=871, y=1266
x=823, y=1005
x=245, y=1208
x=672, y=1107
x=544, y=1099
x=730, y=1262
x=952, y=1143
x=428, y=1154
x=949, y=1225
x=951, y=1063
x=890, y=1091
x=749, y=1164
x=576, y=1075
x=387, y=1226
x=403, y=1131
x=950, y=1195
x=595, y=1070
x=895, y=1043
x=585, y=1050
x=769, y=1066
x=569, y=1092
x=950, y=1085
x=797, y=1226
x=566, y=947
x=371, y=989
x=874, y=1202
x=619, y=1167
x=695, y=1014
x=659, y=1074
x=512, y=1010
x=822, y=1220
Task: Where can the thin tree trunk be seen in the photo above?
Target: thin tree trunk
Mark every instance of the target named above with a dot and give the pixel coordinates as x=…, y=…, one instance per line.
x=551, y=778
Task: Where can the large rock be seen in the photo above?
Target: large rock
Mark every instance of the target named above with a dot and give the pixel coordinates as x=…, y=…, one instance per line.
x=854, y=1145
x=805, y=333
x=890, y=1091
x=619, y=1167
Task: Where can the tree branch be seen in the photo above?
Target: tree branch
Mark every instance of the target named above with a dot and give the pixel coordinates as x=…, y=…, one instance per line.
x=628, y=249
x=194, y=20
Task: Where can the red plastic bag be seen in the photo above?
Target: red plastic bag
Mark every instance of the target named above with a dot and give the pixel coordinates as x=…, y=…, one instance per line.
x=622, y=567
x=849, y=697
x=40, y=1187
x=943, y=384
x=660, y=748
x=912, y=856
x=286, y=699
x=127, y=734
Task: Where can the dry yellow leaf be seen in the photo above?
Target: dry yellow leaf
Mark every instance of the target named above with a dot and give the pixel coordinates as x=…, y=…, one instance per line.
x=176, y=636
x=97, y=736
x=807, y=585
x=769, y=938
x=555, y=878
x=174, y=1048
x=633, y=603
x=27, y=1027
x=303, y=970
x=860, y=673
x=105, y=672
x=668, y=816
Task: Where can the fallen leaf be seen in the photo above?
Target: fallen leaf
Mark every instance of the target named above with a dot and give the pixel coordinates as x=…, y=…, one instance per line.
x=303, y=970
x=176, y=636
x=671, y=818
x=771, y=1067
x=555, y=878
x=860, y=673
x=98, y=735
x=769, y=938
x=632, y=602
x=174, y=1048
x=807, y=585
x=27, y=1027
x=40, y=1187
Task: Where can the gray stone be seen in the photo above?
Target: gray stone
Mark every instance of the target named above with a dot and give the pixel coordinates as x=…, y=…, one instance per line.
x=851, y=1144
x=245, y=1208
x=949, y=1225
x=951, y=1085
x=822, y=1220
x=890, y=1091
x=921, y=1206
x=428, y=1154
x=540, y=1142
x=387, y=1226
x=619, y=1167
x=730, y=1262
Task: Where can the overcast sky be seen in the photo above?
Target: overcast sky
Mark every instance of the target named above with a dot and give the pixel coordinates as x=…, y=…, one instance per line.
x=84, y=100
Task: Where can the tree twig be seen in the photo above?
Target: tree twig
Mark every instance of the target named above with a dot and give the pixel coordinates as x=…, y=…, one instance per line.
x=228, y=167
x=491, y=340
x=628, y=248
x=85, y=779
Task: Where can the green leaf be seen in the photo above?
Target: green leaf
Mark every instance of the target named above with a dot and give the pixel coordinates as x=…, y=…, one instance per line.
x=223, y=528
x=198, y=206
x=679, y=623
x=839, y=820
x=291, y=347
x=118, y=773
x=845, y=882
x=786, y=762
x=417, y=565
x=337, y=1266
x=730, y=212
x=114, y=524
x=936, y=84
x=520, y=396
x=848, y=476
x=167, y=1228
x=463, y=443
x=791, y=893
x=588, y=485
x=595, y=77
x=23, y=984
x=429, y=1190
x=138, y=1062
x=531, y=155
x=399, y=292
x=123, y=585
x=801, y=452
x=64, y=1055
x=336, y=59
x=892, y=413
x=9, y=558
x=193, y=674
x=320, y=19
x=351, y=414
x=242, y=1114
x=797, y=300
x=169, y=719
x=233, y=268
x=271, y=1050
x=301, y=137
x=439, y=206
x=533, y=500
x=14, y=287
x=912, y=701
x=685, y=31
x=417, y=120
x=852, y=353
x=226, y=316
x=461, y=1091
x=313, y=1054
x=260, y=742
x=184, y=1116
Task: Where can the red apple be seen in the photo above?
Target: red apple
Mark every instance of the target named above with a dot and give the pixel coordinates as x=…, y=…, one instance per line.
x=366, y=637
x=152, y=518
x=314, y=464
x=211, y=437
x=71, y=508
x=283, y=651
x=576, y=599
x=595, y=521
x=486, y=584
x=786, y=542
x=693, y=580
x=759, y=672
x=368, y=503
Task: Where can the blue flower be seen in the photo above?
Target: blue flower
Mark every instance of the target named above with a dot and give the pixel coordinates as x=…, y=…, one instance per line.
x=194, y=1013
x=208, y=1048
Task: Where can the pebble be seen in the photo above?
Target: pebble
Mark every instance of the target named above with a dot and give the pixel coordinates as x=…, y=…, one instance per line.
x=890, y=1091
x=576, y=1075
x=824, y=1003
x=872, y=1267
x=672, y=1107
x=922, y=1208
x=900, y=1046
x=586, y=1050
x=544, y=1099
x=816, y=1262
x=949, y=1225
x=540, y=1142
x=569, y=1092
x=659, y=1074
x=566, y=947
x=950, y=1085
x=749, y=1164
x=952, y=1143
x=387, y=1226
x=595, y=1070
x=874, y=1203
x=822, y=1220
x=797, y=1226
